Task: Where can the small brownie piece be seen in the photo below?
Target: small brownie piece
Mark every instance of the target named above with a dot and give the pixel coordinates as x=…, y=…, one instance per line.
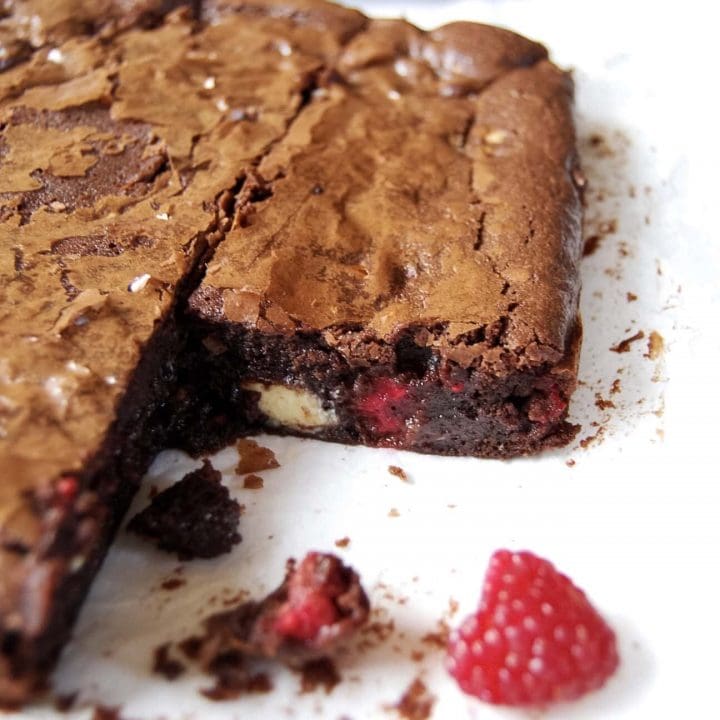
x=407, y=272
x=195, y=517
x=319, y=603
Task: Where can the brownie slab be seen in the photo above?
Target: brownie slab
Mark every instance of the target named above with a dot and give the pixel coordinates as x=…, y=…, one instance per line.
x=405, y=272
x=247, y=214
x=123, y=143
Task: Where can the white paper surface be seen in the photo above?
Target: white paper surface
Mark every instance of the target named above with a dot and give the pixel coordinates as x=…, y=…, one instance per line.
x=633, y=521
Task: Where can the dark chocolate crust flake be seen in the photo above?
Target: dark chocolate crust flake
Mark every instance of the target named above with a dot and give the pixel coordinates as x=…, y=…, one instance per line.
x=397, y=219
x=195, y=517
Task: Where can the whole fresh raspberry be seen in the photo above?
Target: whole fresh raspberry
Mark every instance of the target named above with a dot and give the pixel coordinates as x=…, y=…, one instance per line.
x=534, y=639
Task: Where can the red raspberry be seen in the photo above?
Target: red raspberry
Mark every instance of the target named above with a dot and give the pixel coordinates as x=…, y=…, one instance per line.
x=380, y=406
x=534, y=639
x=310, y=607
x=66, y=489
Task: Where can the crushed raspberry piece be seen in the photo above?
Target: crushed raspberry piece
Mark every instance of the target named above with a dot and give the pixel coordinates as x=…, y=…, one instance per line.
x=304, y=617
x=547, y=408
x=534, y=639
x=311, y=591
x=457, y=387
x=66, y=488
x=379, y=405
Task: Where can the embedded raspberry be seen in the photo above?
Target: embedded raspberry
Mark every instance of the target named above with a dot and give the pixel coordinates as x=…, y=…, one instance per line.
x=303, y=618
x=547, y=408
x=535, y=638
x=67, y=488
x=380, y=405
x=311, y=591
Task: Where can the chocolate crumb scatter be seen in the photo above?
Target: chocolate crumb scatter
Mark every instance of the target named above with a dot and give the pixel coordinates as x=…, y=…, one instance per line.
x=398, y=472
x=416, y=702
x=319, y=673
x=342, y=542
x=615, y=387
x=103, y=712
x=173, y=583
x=253, y=482
x=164, y=665
x=631, y=297
x=624, y=345
x=233, y=681
x=656, y=345
x=65, y=703
x=596, y=438
x=195, y=517
x=602, y=403
x=191, y=647
x=254, y=457
x=438, y=638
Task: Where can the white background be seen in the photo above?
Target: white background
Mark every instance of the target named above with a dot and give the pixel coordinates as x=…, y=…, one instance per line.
x=634, y=521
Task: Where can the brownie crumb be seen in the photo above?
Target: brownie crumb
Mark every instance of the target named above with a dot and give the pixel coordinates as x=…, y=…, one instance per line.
x=398, y=472
x=631, y=297
x=416, y=702
x=602, y=403
x=624, y=345
x=195, y=517
x=102, y=712
x=615, y=387
x=656, y=345
x=232, y=680
x=439, y=638
x=191, y=647
x=342, y=542
x=592, y=243
x=254, y=458
x=164, y=665
x=253, y=482
x=173, y=583
x=596, y=437
x=318, y=673
x=65, y=703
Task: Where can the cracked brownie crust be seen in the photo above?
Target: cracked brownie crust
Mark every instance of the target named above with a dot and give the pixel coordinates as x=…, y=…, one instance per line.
x=390, y=224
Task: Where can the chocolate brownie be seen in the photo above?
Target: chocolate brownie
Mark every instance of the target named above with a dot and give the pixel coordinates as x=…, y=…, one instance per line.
x=405, y=271
x=122, y=149
x=389, y=220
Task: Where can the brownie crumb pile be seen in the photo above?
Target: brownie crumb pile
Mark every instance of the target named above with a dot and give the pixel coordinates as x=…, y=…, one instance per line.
x=319, y=603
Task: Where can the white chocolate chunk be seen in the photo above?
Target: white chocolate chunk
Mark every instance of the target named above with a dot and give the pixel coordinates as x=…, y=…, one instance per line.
x=292, y=407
